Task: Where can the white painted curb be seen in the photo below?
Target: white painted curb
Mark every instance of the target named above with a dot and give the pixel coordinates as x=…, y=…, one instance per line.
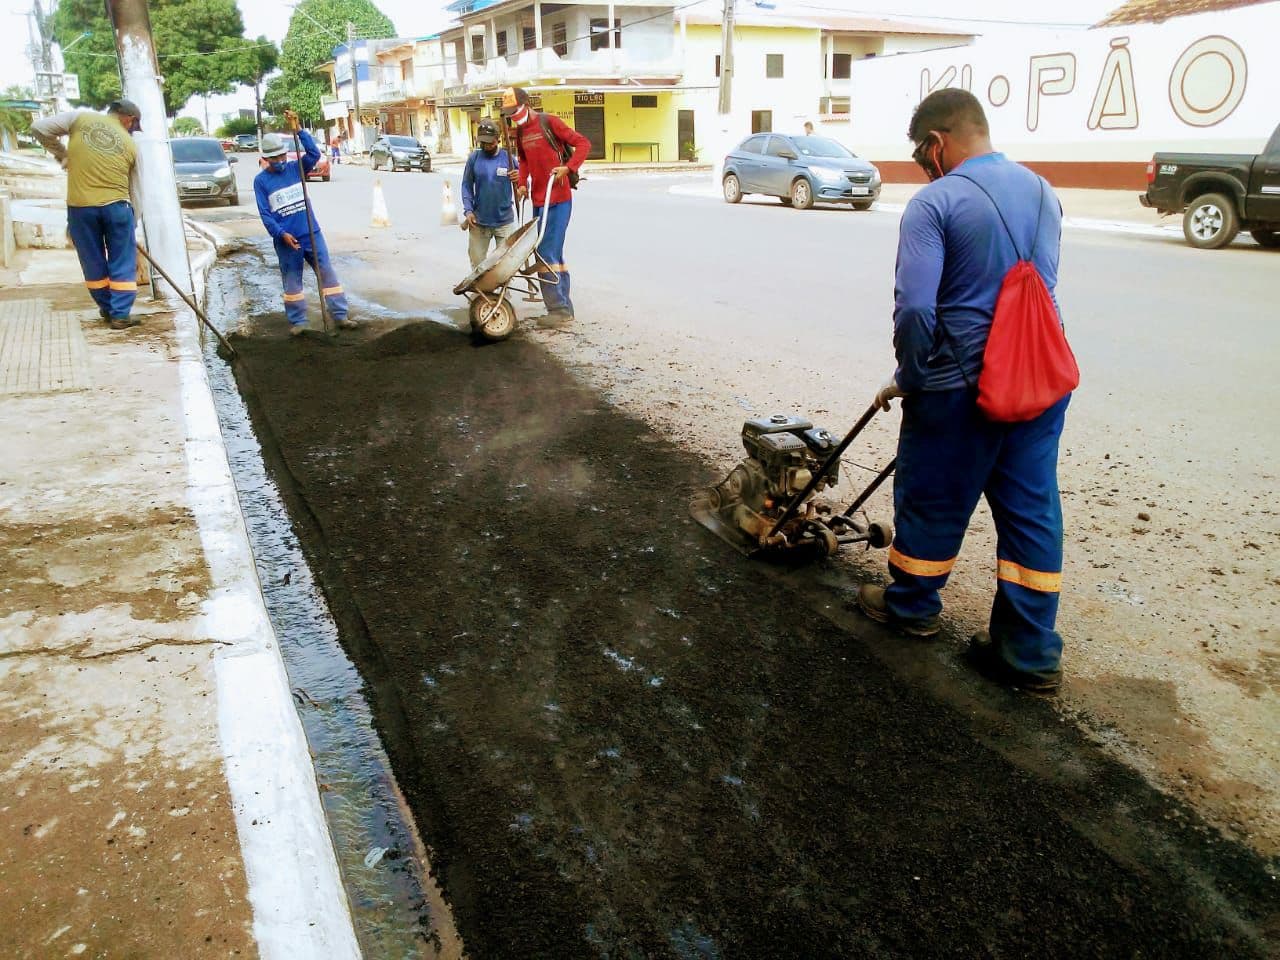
x=300, y=908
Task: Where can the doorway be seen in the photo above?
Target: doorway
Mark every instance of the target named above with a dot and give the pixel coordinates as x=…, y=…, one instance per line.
x=761, y=121
x=589, y=121
x=684, y=135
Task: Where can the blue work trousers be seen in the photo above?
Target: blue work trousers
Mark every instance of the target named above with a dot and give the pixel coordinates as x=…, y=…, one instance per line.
x=949, y=455
x=292, y=264
x=555, y=285
x=104, y=241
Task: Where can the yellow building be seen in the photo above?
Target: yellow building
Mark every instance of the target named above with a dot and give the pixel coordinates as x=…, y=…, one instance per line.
x=639, y=79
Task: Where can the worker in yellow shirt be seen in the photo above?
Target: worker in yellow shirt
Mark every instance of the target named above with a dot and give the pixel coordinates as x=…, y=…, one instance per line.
x=99, y=158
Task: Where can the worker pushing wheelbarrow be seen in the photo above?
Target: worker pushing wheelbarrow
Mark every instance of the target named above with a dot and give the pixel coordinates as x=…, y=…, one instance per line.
x=514, y=265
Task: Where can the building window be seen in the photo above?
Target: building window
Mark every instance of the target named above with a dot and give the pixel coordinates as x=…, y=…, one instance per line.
x=477, y=48
x=717, y=64
x=560, y=40
x=841, y=63
x=502, y=43
x=773, y=66
x=406, y=71
x=529, y=38
x=600, y=33
x=761, y=121
x=639, y=100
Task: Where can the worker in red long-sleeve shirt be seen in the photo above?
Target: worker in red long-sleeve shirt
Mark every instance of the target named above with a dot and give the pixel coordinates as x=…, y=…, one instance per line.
x=548, y=148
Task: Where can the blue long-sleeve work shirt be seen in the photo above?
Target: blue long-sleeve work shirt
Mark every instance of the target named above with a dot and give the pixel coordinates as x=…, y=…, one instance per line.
x=280, y=197
x=953, y=254
x=486, y=191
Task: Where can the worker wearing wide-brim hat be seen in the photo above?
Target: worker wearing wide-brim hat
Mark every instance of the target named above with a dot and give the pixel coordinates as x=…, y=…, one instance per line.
x=282, y=204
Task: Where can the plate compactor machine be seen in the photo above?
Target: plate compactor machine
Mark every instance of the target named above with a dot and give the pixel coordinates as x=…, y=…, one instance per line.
x=766, y=506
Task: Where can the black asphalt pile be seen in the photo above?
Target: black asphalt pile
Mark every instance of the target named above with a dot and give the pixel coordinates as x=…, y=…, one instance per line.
x=620, y=740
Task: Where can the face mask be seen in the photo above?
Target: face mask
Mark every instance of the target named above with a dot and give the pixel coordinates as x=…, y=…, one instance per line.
x=520, y=117
x=276, y=166
x=929, y=156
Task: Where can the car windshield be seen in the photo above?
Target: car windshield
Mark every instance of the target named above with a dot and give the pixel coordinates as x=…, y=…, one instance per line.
x=197, y=151
x=821, y=147
x=407, y=142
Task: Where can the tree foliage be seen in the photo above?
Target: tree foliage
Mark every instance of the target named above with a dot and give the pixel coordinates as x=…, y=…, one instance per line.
x=200, y=45
x=238, y=125
x=15, y=121
x=188, y=127
x=316, y=27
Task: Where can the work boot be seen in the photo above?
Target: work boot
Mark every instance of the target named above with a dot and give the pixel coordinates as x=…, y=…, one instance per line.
x=871, y=601
x=554, y=319
x=984, y=656
x=123, y=323
x=346, y=323
x=297, y=329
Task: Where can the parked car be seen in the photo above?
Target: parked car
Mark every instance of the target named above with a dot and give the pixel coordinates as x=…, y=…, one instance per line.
x=320, y=171
x=246, y=143
x=203, y=171
x=800, y=171
x=399, y=153
x=228, y=145
x=1219, y=194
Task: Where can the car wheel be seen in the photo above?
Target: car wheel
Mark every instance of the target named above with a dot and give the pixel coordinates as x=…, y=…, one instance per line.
x=801, y=194
x=862, y=204
x=732, y=189
x=785, y=201
x=1267, y=238
x=233, y=200
x=1210, y=222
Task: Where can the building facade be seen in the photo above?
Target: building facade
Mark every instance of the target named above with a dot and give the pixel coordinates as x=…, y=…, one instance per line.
x=1089, y=107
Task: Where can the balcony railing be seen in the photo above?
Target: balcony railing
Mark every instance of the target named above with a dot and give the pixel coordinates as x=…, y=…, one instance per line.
x=532, y=65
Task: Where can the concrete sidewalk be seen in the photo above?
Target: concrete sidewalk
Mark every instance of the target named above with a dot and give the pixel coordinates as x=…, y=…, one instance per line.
x=156, y=794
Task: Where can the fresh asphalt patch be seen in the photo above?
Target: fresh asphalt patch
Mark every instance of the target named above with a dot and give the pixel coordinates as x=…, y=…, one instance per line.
x=621, y=739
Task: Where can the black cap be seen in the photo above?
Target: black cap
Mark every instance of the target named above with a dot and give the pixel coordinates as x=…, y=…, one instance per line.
x=487, y=131
x=126, y=108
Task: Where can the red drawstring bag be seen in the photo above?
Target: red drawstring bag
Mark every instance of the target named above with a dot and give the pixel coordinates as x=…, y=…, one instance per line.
x=1027, y=365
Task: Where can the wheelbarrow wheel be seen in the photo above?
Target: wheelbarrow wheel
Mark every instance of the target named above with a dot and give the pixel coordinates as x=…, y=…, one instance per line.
x=492, y=320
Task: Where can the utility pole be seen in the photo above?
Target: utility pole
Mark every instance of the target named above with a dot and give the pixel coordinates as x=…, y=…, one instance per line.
x=358, y=132
x=157, y=194
x=726, y=57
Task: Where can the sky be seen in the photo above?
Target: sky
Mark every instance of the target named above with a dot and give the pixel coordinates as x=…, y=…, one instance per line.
x=419, y=18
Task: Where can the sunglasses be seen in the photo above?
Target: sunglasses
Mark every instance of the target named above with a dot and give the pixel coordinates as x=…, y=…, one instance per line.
x=918, y=154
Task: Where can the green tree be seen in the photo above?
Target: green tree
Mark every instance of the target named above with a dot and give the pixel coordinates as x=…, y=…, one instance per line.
x=188, y=127
x=316, y=27
x=200, y=45
x=236, y=126
x=14, y=122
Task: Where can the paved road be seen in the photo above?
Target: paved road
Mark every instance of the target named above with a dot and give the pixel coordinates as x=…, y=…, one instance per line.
x=694, y=312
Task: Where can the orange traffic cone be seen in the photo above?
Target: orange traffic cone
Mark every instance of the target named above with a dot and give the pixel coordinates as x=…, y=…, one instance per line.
x=380, y=217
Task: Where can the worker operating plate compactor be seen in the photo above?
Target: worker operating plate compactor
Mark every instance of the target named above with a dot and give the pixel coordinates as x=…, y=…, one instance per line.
x=767, y=506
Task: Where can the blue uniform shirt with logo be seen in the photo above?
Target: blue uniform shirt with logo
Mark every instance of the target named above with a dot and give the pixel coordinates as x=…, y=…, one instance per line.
x=486, y=191
x=280, y=198
x=953, y=254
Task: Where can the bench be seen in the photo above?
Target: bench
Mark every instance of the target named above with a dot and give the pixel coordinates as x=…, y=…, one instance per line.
x=654, y=148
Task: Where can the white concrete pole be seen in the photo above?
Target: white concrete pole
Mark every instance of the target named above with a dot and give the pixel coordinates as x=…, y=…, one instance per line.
x=160, y=211
x=613, y=53
x=537, y=30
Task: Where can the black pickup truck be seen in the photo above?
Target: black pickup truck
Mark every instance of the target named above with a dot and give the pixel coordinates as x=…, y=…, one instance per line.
x=1221, y=194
